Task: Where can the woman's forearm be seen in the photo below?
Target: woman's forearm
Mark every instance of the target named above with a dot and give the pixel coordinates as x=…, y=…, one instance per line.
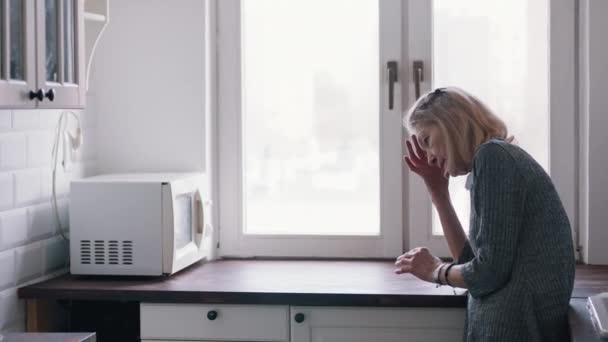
x=455, y=277
x=452, y=229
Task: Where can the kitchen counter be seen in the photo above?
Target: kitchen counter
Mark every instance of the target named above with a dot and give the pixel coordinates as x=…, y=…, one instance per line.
x=291, y=282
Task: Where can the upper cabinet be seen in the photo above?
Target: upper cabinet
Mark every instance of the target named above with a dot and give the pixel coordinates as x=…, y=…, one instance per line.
x=42, y=53
x=60, y=52
x=17, y=53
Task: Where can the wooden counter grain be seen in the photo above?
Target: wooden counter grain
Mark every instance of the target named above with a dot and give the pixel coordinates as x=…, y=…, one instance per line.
x=292, y=282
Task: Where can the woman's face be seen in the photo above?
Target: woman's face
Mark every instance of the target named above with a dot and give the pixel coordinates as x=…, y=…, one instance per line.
x=433, y=143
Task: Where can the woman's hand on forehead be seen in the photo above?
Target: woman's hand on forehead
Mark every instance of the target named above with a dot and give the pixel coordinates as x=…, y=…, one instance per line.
x=417, y=162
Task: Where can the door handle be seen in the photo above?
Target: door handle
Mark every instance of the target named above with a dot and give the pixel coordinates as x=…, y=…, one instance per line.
x=391, y=66
x=418, y=68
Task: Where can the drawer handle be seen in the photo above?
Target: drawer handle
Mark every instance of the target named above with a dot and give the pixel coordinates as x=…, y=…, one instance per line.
x=299, y=318
x=212, y=315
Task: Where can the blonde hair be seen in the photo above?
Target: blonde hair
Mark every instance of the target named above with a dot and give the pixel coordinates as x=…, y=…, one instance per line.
x=463, y=120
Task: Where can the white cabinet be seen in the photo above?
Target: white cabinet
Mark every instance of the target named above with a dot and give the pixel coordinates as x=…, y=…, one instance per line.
x=321, y=324
x=202, y=322
x=42, y=54
x=17, y=52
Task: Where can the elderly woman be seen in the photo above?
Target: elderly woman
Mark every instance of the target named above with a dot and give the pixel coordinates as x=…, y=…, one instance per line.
x=518, y=261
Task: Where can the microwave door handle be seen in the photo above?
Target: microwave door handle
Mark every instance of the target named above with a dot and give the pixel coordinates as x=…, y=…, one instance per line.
x=198, y=225
x=200, y=217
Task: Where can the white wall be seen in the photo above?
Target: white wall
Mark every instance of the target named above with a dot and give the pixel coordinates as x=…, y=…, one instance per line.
x=594, y=129
x=150, y=79
x=30, y=248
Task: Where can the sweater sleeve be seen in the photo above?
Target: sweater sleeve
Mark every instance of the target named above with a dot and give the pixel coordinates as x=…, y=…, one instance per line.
x=466, y=254
x=498, y=199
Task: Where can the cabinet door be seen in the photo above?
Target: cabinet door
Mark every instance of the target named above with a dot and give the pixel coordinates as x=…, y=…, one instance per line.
x=376, y=324
x=61, y=53
x=17, y=53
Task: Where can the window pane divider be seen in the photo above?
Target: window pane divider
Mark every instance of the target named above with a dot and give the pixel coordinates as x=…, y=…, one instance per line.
x=60, y=33
x=5, y=40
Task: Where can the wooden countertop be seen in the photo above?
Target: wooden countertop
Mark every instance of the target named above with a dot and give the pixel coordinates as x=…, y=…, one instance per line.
x=590, y=280
x=297, y=282
x=290, y=282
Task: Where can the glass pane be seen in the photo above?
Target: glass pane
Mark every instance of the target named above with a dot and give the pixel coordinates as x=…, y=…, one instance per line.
x=17, y=39
x=500, y=50
x=52, y=43
x=311, y=117
x=68, y=41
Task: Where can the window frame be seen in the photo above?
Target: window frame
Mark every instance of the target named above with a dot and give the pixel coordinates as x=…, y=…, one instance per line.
x=234, y=243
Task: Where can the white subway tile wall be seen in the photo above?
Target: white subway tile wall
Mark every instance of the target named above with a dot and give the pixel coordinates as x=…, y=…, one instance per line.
x=6, y=120
x=7, y=269
x=12, y=311
x=12, y=151
x=13, y=227
x=31, y=248
x=6, y=194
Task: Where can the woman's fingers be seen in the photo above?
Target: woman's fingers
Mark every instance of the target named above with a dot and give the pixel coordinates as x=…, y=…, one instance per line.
x=403, y=261
x=410, y=164
x=404, y=269
x=407, y=256
x=410, y=149
x=412, y=154
x=419, y=149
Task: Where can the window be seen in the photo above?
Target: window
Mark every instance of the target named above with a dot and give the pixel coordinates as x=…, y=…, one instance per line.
x=310, y=146
x=315, y=152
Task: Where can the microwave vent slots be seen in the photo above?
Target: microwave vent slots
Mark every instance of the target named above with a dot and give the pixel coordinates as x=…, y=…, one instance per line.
x=113, y=252
x=127, y=252
x=85, y=252
x=110, y=252
x=100, y=252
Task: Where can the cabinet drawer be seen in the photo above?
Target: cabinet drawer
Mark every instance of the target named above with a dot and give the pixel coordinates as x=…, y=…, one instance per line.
x=317, y=324
x=214, y=322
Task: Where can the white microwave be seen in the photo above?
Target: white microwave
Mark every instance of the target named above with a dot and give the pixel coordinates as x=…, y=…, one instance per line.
x=138, y=224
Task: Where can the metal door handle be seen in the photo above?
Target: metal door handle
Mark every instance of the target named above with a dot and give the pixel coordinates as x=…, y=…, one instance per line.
x=391, y=66
x=418, y=73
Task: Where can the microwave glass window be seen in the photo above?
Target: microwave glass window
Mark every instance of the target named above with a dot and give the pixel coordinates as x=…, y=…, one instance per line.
x=183, y=221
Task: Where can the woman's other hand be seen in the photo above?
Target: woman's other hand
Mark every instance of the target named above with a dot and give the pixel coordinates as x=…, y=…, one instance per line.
x=419, y=262
x=433, y=175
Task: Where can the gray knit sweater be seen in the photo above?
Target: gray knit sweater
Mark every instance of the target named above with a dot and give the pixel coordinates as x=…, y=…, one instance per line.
x=519, y=260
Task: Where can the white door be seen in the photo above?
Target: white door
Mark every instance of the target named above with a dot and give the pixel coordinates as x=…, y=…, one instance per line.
x=310, y=128
x=17, y=54
x=376, y=324
x=508, y=54
x=60, y=41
